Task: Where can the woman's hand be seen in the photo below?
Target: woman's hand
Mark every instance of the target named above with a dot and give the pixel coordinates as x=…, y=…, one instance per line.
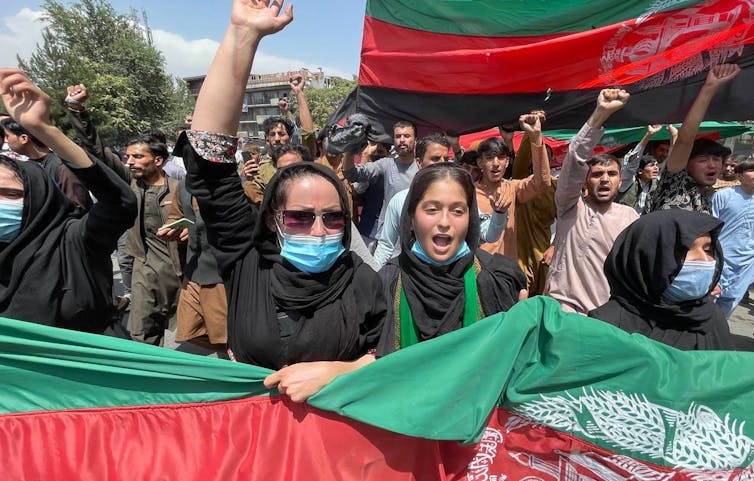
x=261, y=16
x=24, y=101
x=303, y=380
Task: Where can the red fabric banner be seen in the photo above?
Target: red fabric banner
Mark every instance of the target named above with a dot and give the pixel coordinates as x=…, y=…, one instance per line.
x=613, y=55
x=273, y=439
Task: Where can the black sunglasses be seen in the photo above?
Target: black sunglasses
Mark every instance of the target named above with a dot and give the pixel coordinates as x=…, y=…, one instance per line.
x=304, y=219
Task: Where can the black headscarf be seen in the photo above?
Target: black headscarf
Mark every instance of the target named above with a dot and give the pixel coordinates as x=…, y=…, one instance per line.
x=35, y=272
x=643, y=262
x=436, y=293
x=325, y=299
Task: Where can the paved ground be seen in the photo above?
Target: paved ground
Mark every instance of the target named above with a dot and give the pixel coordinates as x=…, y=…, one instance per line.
x=742, y=323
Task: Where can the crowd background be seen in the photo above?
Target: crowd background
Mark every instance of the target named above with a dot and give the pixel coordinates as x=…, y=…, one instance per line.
x=328, y=247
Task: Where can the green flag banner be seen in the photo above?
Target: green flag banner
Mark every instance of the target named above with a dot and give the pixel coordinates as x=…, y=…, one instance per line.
x=530, y=394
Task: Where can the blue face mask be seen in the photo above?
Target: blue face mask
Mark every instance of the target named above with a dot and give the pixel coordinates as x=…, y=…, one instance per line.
x=312, y=254
x=11, y=214
x=419, y=252
x=692, y=282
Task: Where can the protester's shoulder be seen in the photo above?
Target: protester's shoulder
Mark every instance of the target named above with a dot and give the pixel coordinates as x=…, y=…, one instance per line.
x=389, y=273
x=399, y=198
x=667, y=177
x=498, y=263
x=624, y=214
x=173, y=183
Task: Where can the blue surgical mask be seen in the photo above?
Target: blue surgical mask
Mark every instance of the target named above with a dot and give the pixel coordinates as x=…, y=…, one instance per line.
x=312, y=254
x=11, y=214
x=692, y=282
x=419, y=252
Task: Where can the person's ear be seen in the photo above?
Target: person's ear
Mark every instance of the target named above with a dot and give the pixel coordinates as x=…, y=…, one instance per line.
x=24, y=139
x=159, y=161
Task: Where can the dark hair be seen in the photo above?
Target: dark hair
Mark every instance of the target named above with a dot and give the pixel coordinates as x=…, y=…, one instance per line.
x=494, y=146
x=708, y=147
x=432, y=173
x=646, y=160
x=603, y=159
x=469, y=157
x=301, y=150
x=16, y=129
x=653, y=144
x=423, y=144
x=292, y=173
x=404, y=124
x=271, y=122
x=745, y=165
x=155, y=142
x=6, y=161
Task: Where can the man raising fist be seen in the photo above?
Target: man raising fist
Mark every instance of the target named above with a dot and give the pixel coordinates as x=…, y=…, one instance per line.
x=587, y=224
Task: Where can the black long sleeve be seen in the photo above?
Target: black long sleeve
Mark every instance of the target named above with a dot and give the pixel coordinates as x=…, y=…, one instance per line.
x=229, y=216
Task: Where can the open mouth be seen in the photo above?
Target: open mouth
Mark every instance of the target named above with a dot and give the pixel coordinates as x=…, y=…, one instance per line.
x=603, y=190
x=441, y=243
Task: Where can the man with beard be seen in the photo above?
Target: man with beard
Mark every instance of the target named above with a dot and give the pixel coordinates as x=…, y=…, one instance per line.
x=694, y=166
x=587, y=225
x=395, y=173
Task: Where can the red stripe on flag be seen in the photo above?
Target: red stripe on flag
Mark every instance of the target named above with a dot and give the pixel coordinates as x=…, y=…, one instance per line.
x=273, y=439
x=619, y=54
x=265, y=439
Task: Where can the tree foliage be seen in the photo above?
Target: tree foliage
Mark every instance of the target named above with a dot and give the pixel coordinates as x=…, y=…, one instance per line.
x=89, y=42
x=323, y=102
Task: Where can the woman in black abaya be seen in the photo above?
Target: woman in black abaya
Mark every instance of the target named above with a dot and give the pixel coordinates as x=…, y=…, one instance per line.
x=55, y=266
x=661, y=271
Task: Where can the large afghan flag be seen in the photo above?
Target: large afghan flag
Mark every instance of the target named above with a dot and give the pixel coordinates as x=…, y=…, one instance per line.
x=464, y=66
x=534, y=394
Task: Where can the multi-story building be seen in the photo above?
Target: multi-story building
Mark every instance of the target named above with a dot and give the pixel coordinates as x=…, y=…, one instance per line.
x=263, y=91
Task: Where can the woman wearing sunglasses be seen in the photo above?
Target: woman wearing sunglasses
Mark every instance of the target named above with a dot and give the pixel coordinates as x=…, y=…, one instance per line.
x=441, y=281
x=299, y=301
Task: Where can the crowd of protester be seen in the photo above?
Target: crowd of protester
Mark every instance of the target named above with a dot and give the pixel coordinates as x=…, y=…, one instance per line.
x=323, y=250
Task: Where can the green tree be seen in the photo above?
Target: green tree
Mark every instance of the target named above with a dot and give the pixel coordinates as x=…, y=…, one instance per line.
x=89, y=42
x=323, y=102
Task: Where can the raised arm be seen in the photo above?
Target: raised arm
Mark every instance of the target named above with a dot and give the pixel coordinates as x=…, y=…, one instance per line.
x=633, y=157
x=210, y=156
x=30, y=107
x=85, y=129
x=532, y=125
x=116, y=209
x=718, y=76
x=298, y=83
x=217, y=107
x=575, y=168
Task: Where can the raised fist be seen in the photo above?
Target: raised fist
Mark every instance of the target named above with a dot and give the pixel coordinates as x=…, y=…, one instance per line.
x=296, y=81
x=612, y=100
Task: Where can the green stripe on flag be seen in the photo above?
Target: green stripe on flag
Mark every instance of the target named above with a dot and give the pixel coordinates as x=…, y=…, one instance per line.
x=620, y=391
x=567, y=371
x=44, y=368
x=625, y=135
x=513, y=18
